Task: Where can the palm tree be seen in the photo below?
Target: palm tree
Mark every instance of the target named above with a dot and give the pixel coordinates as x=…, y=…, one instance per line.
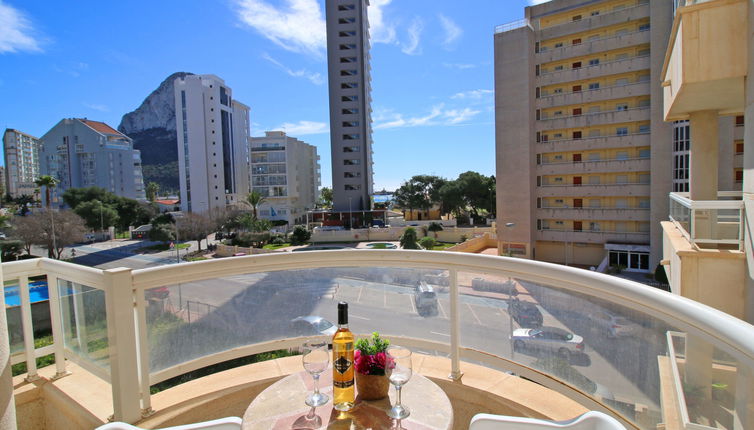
x=152, y=189
x=48, y=182
x=254, y=199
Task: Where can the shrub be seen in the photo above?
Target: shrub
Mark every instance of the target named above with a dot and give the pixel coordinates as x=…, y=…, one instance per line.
x=251, y=240
x=427, y=242
x=277, y=240
x=464, y=238
x=300, y=235
x=11, y=249
x=408, y=239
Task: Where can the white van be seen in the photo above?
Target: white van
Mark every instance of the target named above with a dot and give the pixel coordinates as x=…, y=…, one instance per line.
x=425, y=299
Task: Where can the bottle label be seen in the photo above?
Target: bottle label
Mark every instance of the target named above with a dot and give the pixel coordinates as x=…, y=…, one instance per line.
x=343, y=365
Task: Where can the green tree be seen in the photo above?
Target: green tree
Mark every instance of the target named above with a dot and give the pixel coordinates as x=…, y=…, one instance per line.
x=300, y=235
x=161, y=233
x=97, y=215
x=409, y=239
x=254, y=200
x=194, y=226
x=427, y=242
x=409, y=196
x=75, y=196
x=10, y=249
x=434, y=227
x=325, y=197
x=48, y=182
x=254, y=225
x=152, y=189
x=478, y=191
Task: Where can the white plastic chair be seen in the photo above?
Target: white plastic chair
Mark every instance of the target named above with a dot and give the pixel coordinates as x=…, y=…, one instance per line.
x=591, y=420
x=229, y=423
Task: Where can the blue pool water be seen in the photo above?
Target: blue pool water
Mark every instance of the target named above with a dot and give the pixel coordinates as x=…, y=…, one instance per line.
x=37, y=293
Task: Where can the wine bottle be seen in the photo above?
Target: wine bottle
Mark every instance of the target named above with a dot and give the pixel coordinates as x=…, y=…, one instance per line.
x=342, y=359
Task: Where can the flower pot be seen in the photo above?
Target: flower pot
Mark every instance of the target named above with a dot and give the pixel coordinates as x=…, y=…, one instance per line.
x=372, y=387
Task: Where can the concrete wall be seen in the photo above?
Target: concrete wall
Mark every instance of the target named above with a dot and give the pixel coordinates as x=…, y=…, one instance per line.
x=475, y=245
x=561, y=252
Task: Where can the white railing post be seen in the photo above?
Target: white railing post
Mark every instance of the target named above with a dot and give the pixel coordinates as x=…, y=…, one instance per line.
x=28, y=329
x=455, y=327
x=7, y=399
x=121, y=333
x=143, y=351
x=56, y=322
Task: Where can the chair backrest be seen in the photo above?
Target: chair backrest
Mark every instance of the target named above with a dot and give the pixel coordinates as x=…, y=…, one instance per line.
x=591, y=420
x=229, y=423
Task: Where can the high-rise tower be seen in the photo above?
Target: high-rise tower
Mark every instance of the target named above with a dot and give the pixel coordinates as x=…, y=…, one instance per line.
x=350, y=103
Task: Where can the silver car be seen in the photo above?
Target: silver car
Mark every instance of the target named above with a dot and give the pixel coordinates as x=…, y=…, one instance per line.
x=552, y=339
x=614, y=325
x=312, y=326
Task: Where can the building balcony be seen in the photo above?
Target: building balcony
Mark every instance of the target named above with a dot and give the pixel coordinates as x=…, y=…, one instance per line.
x=593, y=119
x=703, y=246
x=587, y=214
x=627, y=65
x=598, y=142
x=601, y=166
x=593, y=236
x=641, y=10
x=590, y=96
x=738, y=160
x=706, y=61
x=594, y=190
x=119, y=332
x=590, y=47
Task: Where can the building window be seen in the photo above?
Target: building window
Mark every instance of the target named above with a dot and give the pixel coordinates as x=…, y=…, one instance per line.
x=350, y=123
x=557, y=91
x=349, y=111
x=346, y=20
x=739, y=120
x=559, y=45
x=351, y=72
x=346, y=7
x=621, y=106
x=354, y=162
x=347, y=33
x=576, y=65
x=594, y=61
x=576, y=135
x=595, y=13
x=739, y=175
x=594, y=86
x=351, y=149
x=577, y=88
x=644, y=128
x=351, y=136
x=621, y=131
x=349, y=85
x=349, y=98
x=576, y=42
x=348, y=59
x=557, y=68
x=346, y=46
x=644, y=27
x=350, y=187
x=576, y=18
x=351, y=174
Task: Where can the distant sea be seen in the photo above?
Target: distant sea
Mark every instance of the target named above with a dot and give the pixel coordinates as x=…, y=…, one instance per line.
x=382, y=198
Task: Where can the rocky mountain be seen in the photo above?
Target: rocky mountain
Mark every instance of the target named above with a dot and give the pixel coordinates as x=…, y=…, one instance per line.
x=152, y=127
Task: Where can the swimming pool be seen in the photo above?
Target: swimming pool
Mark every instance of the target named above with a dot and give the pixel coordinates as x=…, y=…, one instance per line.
x=37, y=293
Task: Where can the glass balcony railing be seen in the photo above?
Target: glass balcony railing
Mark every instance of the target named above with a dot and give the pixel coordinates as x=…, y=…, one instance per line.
x=604, y=343
x=709, y=223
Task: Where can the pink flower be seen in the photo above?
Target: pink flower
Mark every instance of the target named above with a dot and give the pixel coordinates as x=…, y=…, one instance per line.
x=361, y=364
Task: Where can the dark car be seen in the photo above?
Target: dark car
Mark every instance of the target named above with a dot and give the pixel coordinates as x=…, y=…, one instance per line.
x=526, y=314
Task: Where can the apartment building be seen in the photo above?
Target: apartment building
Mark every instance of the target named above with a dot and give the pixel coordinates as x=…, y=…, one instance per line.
x=80, y=153
x=583, y=154
x=350, y=103
x=21, y=162
x=213, y=148
x=286, y=172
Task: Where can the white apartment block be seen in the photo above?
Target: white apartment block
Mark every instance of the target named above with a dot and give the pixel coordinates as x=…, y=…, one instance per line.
x=286, y=172
x=213, y=149
x=350, y=103
x=81, y=153
x=21, y=162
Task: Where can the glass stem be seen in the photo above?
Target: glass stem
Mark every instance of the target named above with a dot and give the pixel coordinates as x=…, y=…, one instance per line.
x=316, y=384
x=398, y=392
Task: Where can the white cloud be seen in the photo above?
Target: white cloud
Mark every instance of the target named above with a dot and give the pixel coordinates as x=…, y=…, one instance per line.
x=536, y=2
x=297, y=27
x=473, y=94
x=97, y=107
x=313, y=77
x=304, y=127
x=459, y=66
x=438, y=116
x=16, y=34
x=379, y=30
x=452, y=31
x=414, y=38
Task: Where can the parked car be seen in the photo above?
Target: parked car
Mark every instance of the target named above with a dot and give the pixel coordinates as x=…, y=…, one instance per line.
x=613, y=325
x=425, y=299
x=551, y=339
x=526, y=314
x=506, y=287
x=312, y=325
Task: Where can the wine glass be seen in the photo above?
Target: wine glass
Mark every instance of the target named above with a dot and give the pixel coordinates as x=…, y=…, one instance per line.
x=398, y=370
x=316, y=357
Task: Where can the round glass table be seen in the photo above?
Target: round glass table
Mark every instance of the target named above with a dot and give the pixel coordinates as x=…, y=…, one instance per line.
x=281, y=406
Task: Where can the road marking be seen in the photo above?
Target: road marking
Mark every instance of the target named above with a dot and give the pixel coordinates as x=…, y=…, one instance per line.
x=442, y=310
x=358, y=299
x=474, y=314
x=413, y=305
x=384, y=297
x=441, y=334
x=359, y=318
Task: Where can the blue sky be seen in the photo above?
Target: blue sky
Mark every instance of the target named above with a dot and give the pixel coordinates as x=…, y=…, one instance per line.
x=432, y=70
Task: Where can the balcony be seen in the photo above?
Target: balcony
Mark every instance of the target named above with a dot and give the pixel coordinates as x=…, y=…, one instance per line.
x=641, y=10
x=589, y=47
x=596, y=142
x=589, y=96
x=590, y=119
x=120, y=331
x=596, y=166
x=709, y=224
x=586, y=214
x=594, y=190
x=593, y=236
x=588, y=72
x=706, y=61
